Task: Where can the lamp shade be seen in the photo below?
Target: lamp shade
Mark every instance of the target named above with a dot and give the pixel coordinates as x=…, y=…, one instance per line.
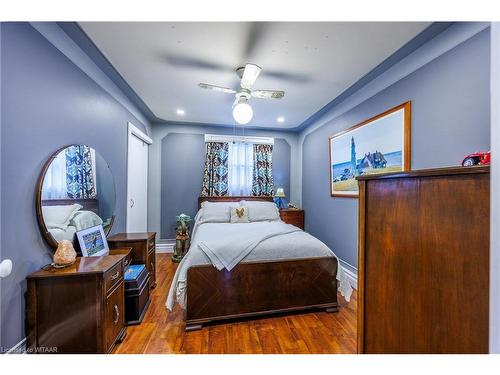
x=280, y=193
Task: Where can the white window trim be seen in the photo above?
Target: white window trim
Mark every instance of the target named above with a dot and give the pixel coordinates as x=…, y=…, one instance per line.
x=238, y=138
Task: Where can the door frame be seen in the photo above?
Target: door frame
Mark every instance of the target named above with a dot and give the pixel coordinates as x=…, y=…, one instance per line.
x=134, y=131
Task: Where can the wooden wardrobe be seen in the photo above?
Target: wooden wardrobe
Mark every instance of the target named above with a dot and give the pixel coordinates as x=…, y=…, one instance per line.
x=424, y=261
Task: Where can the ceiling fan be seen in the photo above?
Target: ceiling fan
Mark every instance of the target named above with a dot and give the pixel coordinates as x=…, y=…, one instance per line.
x=242, y=111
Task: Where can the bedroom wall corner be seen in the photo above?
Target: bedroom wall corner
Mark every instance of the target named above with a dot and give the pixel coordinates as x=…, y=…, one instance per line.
x=175, y=176
x=447, y=80
x=47, y=101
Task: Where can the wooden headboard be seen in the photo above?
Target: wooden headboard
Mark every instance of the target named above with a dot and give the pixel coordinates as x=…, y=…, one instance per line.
x=232, y=199
x=87, y=204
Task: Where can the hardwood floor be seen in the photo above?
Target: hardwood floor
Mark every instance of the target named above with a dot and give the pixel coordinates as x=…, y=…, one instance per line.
x=162, y=331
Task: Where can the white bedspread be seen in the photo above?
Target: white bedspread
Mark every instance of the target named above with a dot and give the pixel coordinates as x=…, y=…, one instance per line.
x=228, y=250
x=295, y=244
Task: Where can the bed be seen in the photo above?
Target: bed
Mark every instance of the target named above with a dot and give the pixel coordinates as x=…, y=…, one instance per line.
x=64, y=217
x=287, y=270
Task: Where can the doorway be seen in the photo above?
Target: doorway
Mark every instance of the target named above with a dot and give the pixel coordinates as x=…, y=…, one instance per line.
x=137, y=180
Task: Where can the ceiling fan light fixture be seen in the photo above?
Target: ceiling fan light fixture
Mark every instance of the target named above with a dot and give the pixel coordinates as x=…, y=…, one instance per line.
x=242, y=111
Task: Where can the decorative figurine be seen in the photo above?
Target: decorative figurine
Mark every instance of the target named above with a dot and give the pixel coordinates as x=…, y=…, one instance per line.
x=65, y=254
x=182, y=239
x=477, y=158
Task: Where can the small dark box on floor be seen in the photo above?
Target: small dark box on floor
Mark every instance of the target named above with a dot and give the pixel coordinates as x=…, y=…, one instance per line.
x=136, y=293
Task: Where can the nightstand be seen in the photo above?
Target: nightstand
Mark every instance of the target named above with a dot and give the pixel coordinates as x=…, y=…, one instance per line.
x=293, y=216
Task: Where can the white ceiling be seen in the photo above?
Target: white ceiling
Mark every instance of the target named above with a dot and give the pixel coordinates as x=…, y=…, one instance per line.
x=312, y=62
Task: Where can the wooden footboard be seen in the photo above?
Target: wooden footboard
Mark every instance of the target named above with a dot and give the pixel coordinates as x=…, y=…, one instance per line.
x=257, y=288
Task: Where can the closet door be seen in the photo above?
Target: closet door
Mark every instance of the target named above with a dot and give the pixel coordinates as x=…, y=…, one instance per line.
x=137, y=182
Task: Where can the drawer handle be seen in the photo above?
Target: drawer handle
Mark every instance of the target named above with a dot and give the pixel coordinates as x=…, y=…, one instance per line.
x=126, y=262
x=115, y=275
x=116, y=314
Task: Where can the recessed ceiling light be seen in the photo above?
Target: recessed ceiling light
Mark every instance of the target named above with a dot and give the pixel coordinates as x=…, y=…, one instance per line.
x=280, y=119
x=180, y=112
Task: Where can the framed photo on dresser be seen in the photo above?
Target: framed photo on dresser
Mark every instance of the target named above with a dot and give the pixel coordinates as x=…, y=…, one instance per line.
x=93, y=241
x=378, y=145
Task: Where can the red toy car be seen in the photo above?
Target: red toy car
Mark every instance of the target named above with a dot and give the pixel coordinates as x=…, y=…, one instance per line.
x=477, y=158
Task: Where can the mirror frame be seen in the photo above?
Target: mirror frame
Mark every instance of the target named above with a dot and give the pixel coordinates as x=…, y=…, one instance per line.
x=47, y=236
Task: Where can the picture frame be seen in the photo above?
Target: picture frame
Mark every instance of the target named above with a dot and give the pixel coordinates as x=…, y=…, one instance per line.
x=93, y=241
x=380, y=144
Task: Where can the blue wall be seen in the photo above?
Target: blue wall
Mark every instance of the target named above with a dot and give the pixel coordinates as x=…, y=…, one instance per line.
x=182, y=173
x=450, y=118
x=47, y=102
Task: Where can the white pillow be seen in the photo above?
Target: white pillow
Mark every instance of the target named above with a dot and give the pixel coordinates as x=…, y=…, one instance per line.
x=262, y=211
x=85, y=219
x=198, y=214
x=239, y=214
x=59, y=216
x=217, y=212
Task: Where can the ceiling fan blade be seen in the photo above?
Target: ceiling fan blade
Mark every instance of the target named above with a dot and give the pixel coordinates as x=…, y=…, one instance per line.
x=250, y=74
x=180, y=61
x=268, y=94
x=256, y=31
x=216, y=88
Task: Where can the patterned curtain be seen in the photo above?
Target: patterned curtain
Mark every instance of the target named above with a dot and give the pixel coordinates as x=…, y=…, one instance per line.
x=216, y=169
x=262, y=170
x=79, y=173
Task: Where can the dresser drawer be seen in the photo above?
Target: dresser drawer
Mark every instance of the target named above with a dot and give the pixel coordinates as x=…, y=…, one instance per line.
x=151, y=266
x=127, y=261
x=151, y=246
x=127, y=252
x=113, y=276
x=114, y=316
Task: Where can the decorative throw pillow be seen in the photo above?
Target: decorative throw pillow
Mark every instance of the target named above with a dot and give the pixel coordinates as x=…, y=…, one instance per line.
x=262, y=211
x=239, y=214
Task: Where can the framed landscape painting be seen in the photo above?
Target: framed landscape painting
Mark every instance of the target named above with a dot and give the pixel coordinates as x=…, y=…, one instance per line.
x=380, y=144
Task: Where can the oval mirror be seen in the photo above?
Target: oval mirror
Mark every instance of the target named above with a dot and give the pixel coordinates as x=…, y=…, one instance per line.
x=75, y=191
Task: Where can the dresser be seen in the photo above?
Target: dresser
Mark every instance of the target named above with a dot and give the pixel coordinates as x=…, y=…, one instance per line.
x=293, y=216
x=143, y=249
x=424, y=261
x=78, y=309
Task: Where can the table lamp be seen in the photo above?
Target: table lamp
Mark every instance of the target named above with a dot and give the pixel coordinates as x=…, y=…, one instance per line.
x=280, y=194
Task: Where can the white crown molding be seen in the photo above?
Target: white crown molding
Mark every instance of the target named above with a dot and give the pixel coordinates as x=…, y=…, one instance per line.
x=439, y=45
x=60, y=40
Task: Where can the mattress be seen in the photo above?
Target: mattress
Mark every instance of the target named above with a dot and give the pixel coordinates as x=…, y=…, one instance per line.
x=296, y=245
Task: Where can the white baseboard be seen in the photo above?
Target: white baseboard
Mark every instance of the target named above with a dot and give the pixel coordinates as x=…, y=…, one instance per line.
x=165, y=246
x=19, y=348
x=351, y=273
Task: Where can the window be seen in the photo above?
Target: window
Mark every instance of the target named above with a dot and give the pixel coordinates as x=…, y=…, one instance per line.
x=229, y=166
x=240, y=166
